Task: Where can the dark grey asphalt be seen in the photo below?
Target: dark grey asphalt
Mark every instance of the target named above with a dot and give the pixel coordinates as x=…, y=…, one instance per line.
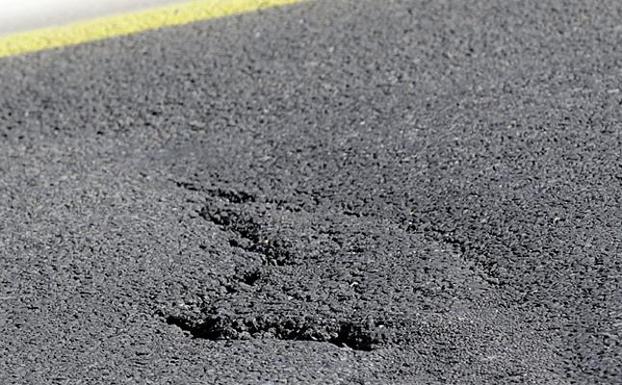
x=363, y=192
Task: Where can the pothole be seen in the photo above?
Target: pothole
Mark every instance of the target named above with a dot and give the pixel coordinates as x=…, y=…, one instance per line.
x=365, y=335
x=321, y=275
x=250, y=236
x=250, y=277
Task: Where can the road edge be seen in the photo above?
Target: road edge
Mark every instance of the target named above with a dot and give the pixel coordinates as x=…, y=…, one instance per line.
x=128, y=24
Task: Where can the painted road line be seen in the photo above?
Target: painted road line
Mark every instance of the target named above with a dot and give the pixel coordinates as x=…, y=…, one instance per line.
x=130, y=23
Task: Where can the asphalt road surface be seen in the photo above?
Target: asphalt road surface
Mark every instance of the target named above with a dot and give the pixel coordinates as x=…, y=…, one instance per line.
x=338, y=192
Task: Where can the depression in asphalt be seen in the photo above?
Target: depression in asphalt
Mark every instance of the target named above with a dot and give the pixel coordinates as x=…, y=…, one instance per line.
x=331, y=192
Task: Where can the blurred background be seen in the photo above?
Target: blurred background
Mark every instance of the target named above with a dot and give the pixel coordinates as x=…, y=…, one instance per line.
x=23, y=15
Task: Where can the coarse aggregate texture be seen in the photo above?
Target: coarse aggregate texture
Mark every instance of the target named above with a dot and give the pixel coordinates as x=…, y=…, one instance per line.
x=337, y=192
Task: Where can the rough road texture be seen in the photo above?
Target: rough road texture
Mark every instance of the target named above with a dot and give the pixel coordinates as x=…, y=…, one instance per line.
x=364, y=192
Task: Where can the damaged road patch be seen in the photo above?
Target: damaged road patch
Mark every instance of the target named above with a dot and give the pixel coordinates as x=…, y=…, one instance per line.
x=310, y=275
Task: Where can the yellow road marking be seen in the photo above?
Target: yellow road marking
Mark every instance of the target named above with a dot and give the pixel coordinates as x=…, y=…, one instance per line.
x=126, y=24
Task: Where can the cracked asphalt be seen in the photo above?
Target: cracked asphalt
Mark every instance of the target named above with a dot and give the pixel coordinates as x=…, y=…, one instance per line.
x=336, y=192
